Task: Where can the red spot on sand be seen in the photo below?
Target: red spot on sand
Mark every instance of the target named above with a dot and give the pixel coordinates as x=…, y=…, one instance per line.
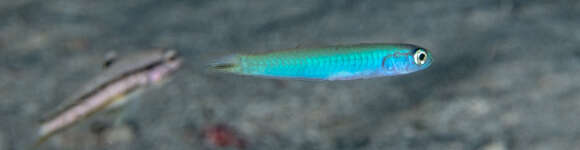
x=223, y=136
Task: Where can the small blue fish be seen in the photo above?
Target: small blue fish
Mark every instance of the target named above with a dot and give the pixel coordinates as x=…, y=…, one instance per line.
x=343, y=62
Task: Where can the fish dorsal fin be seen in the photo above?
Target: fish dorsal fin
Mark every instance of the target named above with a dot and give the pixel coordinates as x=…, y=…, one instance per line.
x=110, y=59
x=312, y=44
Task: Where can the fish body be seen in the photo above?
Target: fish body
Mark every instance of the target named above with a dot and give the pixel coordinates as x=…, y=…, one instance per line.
x=112, y=88
x=343, y=62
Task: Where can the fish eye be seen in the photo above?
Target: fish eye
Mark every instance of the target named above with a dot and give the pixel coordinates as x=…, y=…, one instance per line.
x=420, y=56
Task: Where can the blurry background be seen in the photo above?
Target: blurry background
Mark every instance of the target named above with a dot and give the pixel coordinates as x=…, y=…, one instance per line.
x=505, y=73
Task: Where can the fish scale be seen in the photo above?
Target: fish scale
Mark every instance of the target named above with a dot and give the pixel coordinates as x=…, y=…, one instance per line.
x=343, y=62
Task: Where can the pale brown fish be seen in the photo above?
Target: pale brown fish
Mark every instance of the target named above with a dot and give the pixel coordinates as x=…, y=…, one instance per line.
x=111, y=88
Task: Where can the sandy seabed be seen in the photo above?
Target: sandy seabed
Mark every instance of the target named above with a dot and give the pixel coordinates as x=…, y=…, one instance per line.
x=505, y=74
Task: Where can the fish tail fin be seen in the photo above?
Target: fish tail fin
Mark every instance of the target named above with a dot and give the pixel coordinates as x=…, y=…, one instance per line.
x=230, y=63
x=39, y=141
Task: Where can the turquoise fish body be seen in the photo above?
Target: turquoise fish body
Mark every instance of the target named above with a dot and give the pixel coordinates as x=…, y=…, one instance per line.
x=344, y=62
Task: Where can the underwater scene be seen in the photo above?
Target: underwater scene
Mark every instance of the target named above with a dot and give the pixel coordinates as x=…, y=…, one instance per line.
x=289, y=75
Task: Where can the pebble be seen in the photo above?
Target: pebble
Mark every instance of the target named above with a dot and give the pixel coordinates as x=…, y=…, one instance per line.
x=497, y=145
x=119, y=135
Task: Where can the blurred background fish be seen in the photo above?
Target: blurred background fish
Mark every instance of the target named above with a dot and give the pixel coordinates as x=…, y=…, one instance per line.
x=121, y=81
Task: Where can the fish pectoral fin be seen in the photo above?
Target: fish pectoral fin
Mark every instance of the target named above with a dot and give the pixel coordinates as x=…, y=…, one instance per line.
x=123, y=98
x=118, y=102
x=119, y=109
